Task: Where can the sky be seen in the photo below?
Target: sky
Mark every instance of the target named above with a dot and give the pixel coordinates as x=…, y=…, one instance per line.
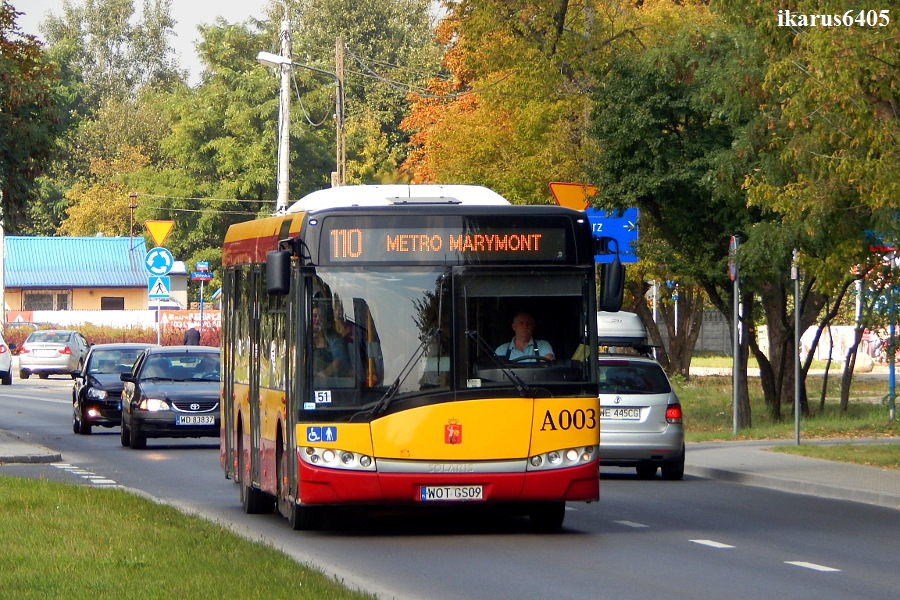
x=187, y=13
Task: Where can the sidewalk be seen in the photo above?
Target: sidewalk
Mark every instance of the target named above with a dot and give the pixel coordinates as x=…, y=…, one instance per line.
x=14, y=449
x=747, y=463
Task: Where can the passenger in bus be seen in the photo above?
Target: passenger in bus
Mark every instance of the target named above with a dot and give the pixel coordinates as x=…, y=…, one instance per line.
x=330, y=357
x=523, y=347
x=357, y=348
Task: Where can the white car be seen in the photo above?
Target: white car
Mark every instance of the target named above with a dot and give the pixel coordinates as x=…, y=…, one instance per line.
x=6, y=362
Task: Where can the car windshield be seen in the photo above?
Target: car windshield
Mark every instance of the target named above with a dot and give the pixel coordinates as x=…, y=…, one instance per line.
x=632, y=377
x=49, y=337
x=112, y=361
x=182, y=367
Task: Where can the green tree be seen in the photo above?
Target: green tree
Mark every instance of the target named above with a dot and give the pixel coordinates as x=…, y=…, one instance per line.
x=102, y=207
x=29, y=119
x=831, y=157
x=675, y=137
x=109, y=51
x=512, y=109
x=109, y=58
x=388, y=50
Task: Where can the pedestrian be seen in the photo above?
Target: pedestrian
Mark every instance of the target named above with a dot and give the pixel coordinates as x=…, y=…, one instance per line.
x=192, y=337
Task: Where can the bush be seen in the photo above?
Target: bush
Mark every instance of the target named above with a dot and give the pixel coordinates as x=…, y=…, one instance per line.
x=99, y=334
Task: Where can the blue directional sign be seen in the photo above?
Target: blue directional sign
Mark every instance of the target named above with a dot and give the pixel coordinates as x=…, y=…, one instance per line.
x=159, y=261
x=621, y=226
x=158, y=287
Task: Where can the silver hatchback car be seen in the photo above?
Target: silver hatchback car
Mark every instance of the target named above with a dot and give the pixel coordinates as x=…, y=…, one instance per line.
x=48, y=352
x=640, y=417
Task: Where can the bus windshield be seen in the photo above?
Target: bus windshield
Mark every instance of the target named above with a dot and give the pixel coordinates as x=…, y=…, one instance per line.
x=403, y=336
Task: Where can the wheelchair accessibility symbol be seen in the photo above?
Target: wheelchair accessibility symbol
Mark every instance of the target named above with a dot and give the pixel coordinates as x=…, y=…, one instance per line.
x=321, y=434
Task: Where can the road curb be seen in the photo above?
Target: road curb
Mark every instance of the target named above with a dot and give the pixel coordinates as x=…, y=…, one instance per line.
x=796, y=487
x=15, y=450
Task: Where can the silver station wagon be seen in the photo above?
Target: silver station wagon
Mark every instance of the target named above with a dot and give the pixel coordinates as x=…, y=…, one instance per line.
x=641, y=423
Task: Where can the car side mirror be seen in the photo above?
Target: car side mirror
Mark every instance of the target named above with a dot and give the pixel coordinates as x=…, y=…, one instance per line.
x=126, y=377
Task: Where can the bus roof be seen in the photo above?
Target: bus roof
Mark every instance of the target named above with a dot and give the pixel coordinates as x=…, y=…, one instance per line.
x=387, y=195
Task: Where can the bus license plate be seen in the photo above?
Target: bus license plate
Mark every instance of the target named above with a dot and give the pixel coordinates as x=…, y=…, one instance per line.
x=450, y=493
x=195, y=420
x=620, y=414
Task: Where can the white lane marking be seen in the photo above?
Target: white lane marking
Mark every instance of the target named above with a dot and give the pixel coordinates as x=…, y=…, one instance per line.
x=35, y=398
x=632, y=524
x=712, y=544
x=813, y=566
x=93, y=479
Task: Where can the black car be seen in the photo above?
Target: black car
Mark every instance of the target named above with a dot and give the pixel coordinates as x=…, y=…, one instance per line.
x=97, y=392
x=172, y=391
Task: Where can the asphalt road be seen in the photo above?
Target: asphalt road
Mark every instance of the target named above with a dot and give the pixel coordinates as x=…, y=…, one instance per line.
x=696, y=538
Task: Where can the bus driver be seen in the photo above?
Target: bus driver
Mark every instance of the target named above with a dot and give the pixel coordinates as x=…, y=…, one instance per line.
x=523, y=345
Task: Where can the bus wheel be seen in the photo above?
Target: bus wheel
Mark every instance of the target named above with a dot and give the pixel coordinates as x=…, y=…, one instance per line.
x=253, y=500
x=306, y=517
x=547, y=516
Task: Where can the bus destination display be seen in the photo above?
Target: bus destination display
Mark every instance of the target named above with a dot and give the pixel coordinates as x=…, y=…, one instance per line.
x=447, y=244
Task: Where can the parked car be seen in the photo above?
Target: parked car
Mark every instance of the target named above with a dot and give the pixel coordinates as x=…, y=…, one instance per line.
x=97, y=391
x=640, y=417
x=48, y=352
x=171, y=391
x=6, y=361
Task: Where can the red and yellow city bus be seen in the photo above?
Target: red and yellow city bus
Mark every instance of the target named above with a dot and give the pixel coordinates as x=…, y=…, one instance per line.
x=360, y=337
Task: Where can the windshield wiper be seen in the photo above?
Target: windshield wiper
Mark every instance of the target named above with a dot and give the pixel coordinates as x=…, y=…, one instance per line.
x=382, y=405
x=523, y=388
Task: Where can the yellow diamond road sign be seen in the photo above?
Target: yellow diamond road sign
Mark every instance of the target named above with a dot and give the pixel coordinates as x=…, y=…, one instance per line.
x=159, y=230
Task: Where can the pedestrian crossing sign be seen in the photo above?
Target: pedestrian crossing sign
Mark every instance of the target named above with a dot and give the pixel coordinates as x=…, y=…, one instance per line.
x=158, y=287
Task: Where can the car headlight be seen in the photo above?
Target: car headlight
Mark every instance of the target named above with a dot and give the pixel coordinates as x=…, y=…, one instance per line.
x=95, y=394
x=153, y=405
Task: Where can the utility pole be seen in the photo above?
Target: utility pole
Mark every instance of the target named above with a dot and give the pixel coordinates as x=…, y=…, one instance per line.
x=284, y=118
x=132, y=204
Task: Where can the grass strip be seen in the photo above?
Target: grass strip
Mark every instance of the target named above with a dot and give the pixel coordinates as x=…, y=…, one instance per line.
x=886, y=456
x=69, y=541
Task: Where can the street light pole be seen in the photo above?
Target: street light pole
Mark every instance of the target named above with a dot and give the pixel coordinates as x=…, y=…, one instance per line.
x=286, y=64
x=284, y=119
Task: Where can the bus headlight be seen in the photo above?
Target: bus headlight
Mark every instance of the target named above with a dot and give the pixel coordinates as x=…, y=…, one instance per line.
x=561, y=459
x=336, y=459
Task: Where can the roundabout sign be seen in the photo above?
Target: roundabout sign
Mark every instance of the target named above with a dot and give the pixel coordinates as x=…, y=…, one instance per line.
x=159, y=262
